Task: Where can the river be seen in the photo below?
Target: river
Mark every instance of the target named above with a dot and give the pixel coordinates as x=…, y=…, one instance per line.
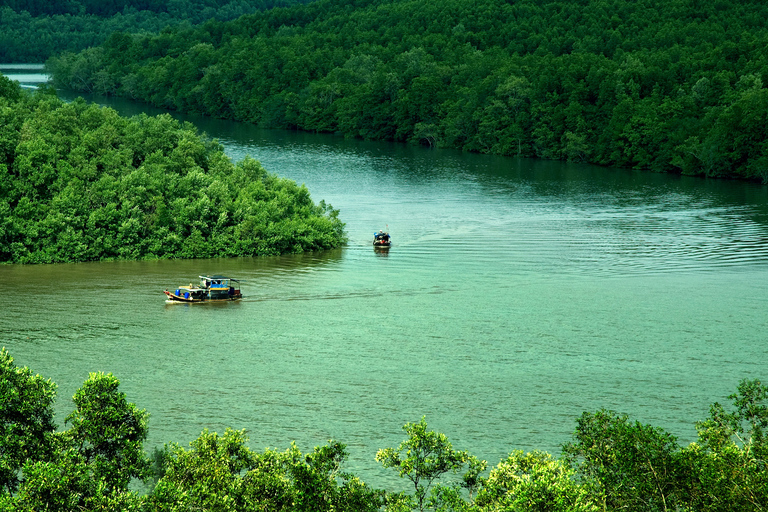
x=517, y=294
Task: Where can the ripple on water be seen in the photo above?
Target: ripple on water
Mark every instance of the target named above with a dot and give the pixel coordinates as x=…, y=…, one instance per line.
x=517, y=295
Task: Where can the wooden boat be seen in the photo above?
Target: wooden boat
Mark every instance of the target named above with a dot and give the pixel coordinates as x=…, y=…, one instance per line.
x=213, y=288
x=382, y=240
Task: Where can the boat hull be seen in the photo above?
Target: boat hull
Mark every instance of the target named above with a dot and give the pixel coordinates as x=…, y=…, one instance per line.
x=172, y=297
x=212, y=288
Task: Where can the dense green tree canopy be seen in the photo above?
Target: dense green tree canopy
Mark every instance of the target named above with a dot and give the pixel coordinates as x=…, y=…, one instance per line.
x=87, y=467
x=33, y=30
x=672, y=86
x=110, y=7
x=78, y=182
x=535, y=481
x=26, y=419
x=221, y=473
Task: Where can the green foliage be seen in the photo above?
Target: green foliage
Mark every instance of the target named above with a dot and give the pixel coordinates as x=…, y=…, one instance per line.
x=89, y=466
x=209, y=476
x=9, y=89
x=673, y=86
x=74, y=25
x=534, y=482
x=26, y=420
x=745, y=426
x=109, y=432
x=68, y=483
x=730, y=463
x=79, y=182
x=424, y=458
x=631, y=465
x=220, y=473
x=315, y=480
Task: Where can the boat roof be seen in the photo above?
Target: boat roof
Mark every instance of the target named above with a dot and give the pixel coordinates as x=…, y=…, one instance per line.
x=217, y=276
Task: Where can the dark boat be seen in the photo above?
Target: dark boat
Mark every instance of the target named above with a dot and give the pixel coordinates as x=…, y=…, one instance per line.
x=214, y=288
x=382, y=240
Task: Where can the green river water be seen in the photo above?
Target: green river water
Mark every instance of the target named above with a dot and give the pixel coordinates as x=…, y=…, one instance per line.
x=517, y=294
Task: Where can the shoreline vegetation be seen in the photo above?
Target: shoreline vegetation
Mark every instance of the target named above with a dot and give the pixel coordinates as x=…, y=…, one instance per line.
x=611, y=464
x=78, y=182
x=75, y=25
x=672, y=86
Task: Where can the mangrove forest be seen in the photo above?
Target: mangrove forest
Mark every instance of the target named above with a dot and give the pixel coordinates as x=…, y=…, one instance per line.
x=78, y=182
x=670, y=86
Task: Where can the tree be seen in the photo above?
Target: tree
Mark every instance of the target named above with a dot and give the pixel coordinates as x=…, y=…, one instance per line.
x=745, y=426
x=67, y=483
x=84, y=183
x=86, y=467
x=220, y=473
x=26, y=420
x=315, y=481
x=108, y=432
x=534, y=482
x=9, y=89
x=208, y=476
x=425, y=457
x=631, y=466
x=729, y=465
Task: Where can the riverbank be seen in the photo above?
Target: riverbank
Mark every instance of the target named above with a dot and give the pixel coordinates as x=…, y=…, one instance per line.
x=553, y=80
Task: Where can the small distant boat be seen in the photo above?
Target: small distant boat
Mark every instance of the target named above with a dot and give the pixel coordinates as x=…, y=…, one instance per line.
x=214, y=288
x=381, y=240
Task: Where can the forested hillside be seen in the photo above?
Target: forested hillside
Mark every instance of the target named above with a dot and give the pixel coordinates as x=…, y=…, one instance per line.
x=33, y=30
x=671, y=86
x=79, y=183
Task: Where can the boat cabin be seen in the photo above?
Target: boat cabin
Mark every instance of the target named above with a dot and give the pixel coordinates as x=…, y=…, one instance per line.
x=192, y=292
x=211, y=288
x=220, y=287
x=381, y=239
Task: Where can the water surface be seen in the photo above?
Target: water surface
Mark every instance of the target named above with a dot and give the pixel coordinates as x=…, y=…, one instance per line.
x=29, y=76
x=517, y=294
